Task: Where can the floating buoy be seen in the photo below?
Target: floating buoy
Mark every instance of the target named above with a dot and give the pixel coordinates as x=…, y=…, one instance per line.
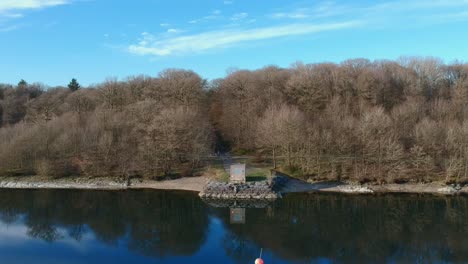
x=259, y=260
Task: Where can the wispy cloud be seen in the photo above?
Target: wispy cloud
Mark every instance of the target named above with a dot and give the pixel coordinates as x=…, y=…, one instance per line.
x=215, y=14
x=12, y=15
x=189, y=44
x=226, y=2
x=173, y=30
x=295, y=14
x=418, y=4
x=8, y=5
x=239, y=16
x=237, y=28
x=9, y=28
x=12, y=9
x=290, y=15
x=382, y=10
x=318, y=10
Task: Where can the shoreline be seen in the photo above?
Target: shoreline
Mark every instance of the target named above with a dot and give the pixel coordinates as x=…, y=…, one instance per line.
x=194, y=184
x=436, y=188
x=197, y=184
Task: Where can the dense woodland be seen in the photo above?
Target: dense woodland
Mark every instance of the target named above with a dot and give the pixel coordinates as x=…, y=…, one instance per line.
x=382, y=121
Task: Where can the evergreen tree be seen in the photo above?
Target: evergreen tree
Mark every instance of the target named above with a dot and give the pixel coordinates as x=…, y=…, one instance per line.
x=74, y=85
x=22, y=83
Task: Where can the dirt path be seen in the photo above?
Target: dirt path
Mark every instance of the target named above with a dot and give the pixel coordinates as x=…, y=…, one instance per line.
x=227, y=161
x=188, y=184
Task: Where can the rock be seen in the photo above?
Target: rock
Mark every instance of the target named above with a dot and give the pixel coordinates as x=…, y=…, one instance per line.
x=447, y=190
x=250, y=190
x=355, y=189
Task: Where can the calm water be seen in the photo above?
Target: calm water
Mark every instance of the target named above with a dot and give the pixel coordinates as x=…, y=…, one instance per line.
x=49, y=226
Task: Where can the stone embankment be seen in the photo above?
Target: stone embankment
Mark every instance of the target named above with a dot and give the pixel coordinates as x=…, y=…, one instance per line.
x=260, y=190
x=244, y=203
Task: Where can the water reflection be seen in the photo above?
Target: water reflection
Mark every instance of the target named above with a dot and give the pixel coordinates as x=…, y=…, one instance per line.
x=152, y=223
x=237, y=215
x=177, y=227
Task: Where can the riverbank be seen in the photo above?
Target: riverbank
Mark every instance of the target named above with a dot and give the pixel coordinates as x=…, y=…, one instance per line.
x=295, y=186
x=197, y=184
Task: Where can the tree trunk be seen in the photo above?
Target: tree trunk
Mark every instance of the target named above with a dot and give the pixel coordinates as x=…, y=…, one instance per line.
x=274, y=158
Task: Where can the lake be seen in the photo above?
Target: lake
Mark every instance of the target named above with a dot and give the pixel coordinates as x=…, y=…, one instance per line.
x=148, y=226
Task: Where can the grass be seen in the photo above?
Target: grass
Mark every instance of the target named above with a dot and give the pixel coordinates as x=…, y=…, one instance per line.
x=217, y=174
x=257, y=174
x=223, y=176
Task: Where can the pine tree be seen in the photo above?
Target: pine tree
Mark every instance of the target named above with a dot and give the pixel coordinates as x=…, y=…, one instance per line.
x=74, y=85
x=22, y=83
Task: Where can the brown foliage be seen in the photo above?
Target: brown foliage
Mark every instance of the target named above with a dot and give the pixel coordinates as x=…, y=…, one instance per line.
x=381, y=121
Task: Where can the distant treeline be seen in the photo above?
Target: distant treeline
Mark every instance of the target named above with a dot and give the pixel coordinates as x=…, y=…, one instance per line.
x=385, y=121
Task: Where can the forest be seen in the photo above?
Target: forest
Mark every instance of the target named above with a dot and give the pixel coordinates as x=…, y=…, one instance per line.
x=359, y=120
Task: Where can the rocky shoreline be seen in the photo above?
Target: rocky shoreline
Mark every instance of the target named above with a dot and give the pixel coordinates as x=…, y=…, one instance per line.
x=245, y=203
x=437, y=188
x=260, y=190
x=253, y=190
x=195, y=184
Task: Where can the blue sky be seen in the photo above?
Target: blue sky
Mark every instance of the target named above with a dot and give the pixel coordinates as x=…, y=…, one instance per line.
x=52, y=41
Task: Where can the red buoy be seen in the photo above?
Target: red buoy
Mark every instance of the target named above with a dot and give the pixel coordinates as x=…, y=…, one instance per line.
x=259, y=261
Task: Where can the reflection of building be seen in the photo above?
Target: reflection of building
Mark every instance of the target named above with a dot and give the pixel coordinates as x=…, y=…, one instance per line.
x=237, y=173
x=237, y=215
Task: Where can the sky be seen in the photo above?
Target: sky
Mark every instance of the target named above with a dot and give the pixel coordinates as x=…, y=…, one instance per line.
x=53, y=41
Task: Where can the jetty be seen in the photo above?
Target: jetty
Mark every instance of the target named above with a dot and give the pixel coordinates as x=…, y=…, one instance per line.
x=239, y=189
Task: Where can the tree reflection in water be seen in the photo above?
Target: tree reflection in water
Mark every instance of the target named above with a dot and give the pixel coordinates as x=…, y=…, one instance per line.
x=156, y=223
x=299, y=228
x=362, y=229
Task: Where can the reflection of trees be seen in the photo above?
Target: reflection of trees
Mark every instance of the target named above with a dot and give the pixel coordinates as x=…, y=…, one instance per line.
x=76, y=232
x=176, y=226
x=9, y=216
x=239, y=249
x=376, y=229
x=299, y=228
x=156, y=223
x=43, y=231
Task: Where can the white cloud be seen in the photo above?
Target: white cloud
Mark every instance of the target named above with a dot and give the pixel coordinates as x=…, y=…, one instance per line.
x=164, y=24
x=385, y=12
x=239, y=16
x=9, y=28
x=323, y=9
x=12, y=15
x=215, y=14
x=209, y=17
x=8, y=5
x=152, y=45
x=9, y=10
x=228, y=2
x=229, y=32
x=294, y=15
x=418, y=4
x=173, y=30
